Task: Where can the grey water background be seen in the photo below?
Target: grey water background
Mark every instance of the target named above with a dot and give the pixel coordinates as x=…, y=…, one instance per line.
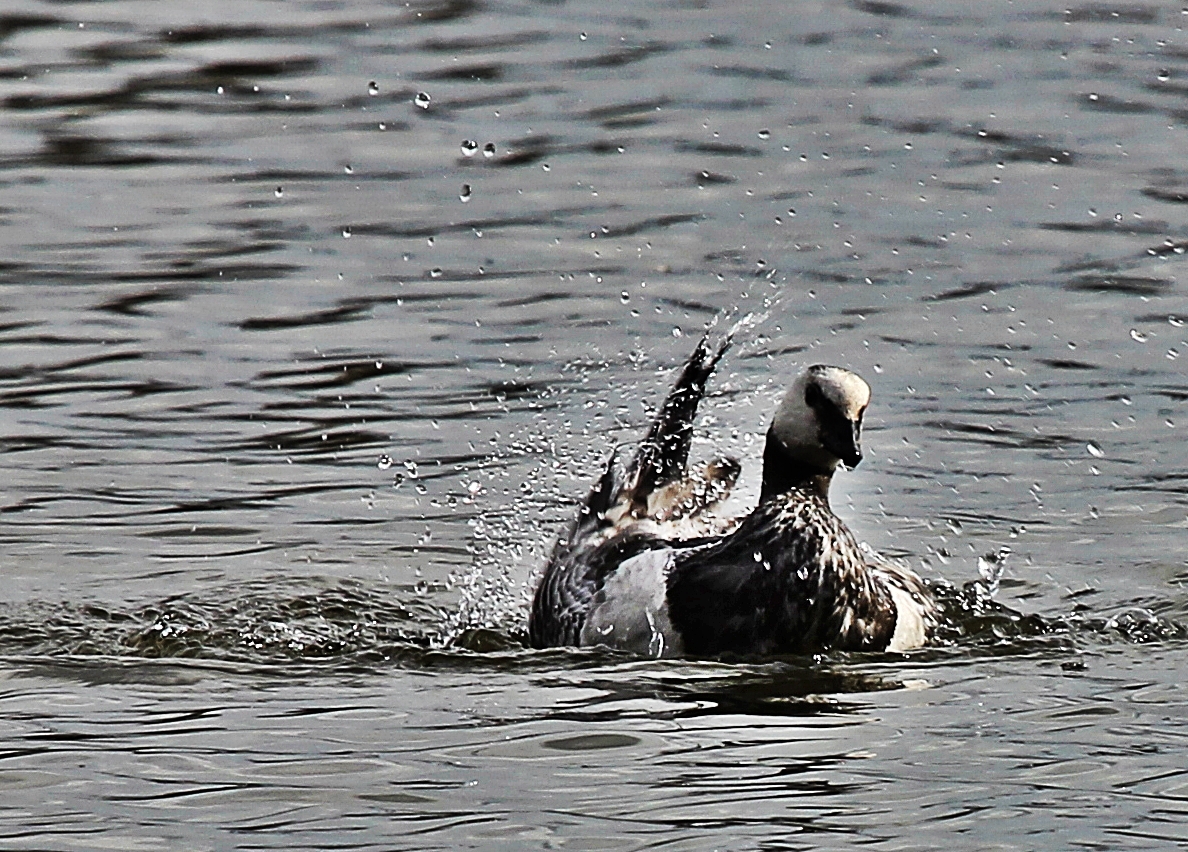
x=316, y=319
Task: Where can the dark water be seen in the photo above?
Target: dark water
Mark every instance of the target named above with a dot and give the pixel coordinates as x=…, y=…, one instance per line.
x=301, y=370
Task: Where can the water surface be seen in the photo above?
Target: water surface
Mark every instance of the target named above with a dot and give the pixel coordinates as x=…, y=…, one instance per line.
x=316, y=319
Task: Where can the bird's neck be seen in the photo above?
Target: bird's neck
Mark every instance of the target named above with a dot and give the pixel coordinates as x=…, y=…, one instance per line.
x=783, y=472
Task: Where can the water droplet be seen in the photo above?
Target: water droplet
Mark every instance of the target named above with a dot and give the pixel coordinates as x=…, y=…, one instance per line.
x=1093, y=96
x=348, y=169
x=436, y=272
x=624, y=297
x=373, y=88
x=676, y=331
x=422, y=100
x=279, y=191
x=411, y=467
x=1163, y=75
x=765, y=134
x=1173, y=354
x=219, y=90
x=1175, y=321
x=583, y=36
x=464, y=196
x=346, y=233
x=469, y=146
x=489, y=149
x=1094, y=450
x=1138, y=337
x=385, y=462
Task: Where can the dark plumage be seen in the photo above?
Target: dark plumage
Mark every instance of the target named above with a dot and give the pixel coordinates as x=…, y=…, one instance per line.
x=646, y=567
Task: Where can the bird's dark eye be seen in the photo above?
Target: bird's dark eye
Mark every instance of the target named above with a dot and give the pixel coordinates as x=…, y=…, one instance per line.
x=813, y=396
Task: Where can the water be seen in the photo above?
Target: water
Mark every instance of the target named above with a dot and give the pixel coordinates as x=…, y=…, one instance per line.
x=316, y=321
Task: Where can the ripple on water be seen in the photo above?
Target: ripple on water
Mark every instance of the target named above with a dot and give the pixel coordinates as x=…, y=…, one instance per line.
x=225, y=624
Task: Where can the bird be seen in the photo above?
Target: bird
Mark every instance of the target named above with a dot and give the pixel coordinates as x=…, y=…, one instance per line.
x=648, y=566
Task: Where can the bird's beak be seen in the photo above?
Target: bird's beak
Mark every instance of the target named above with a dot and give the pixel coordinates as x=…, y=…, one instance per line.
x=855, y=450
x=849, y=448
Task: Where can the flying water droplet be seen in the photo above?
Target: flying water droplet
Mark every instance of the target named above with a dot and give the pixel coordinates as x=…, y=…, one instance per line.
x=373, y=88
x=464, y=196
x=489, y=149
x=385, y=462
x=1095, y=450
x=1138, y=337
x=346, y=233
x=469, y=146
x=422, y=100
x=280, y=191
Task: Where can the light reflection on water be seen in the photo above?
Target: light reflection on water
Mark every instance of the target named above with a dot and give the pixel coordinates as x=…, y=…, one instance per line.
x=237, y=275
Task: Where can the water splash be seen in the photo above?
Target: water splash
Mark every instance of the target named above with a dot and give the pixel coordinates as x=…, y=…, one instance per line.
x=270, y=620
x=991, y=567
x=974, y=621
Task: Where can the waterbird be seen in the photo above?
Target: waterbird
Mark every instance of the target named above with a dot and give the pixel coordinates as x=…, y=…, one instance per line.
x=649, y=568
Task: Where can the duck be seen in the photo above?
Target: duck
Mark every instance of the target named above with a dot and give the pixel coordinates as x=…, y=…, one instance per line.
x=650, y=565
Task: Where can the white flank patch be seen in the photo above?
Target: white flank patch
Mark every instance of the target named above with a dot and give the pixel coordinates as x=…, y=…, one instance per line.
x=910, y=631
x=630, y=612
